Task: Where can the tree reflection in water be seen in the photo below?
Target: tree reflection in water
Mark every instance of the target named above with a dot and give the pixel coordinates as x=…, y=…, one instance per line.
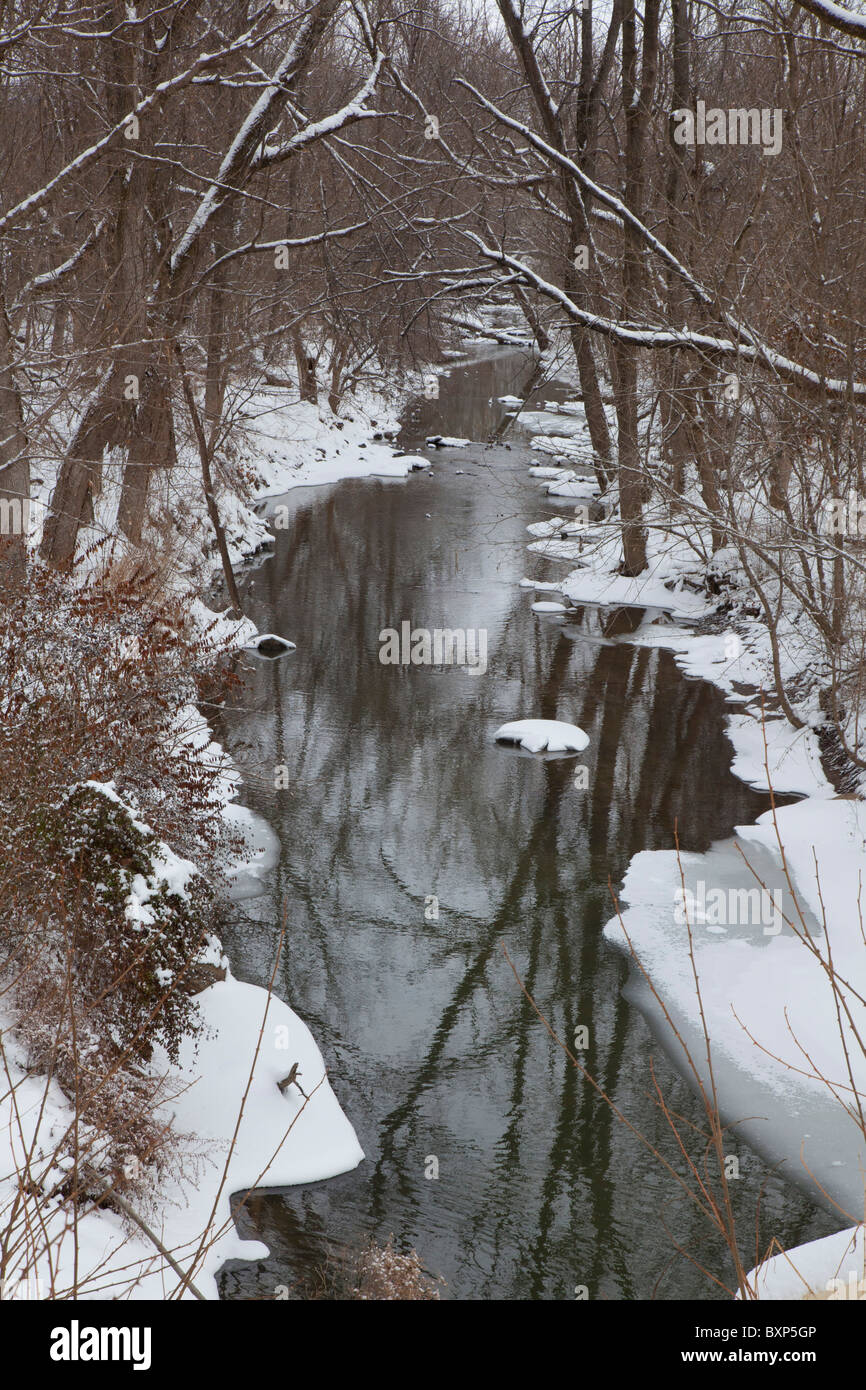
x=398, y=793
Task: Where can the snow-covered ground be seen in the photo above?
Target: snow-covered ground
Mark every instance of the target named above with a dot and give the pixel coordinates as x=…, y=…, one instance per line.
x=833, y=1268
x=241, y=1132
x=236, y=1129
x=303, y=445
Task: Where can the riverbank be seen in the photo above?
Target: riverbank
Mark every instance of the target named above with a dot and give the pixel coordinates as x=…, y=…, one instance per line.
x=235, y=1128
x=277, y=461
x=781, y=1000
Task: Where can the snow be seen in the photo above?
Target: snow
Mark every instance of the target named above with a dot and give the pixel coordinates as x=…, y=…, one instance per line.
x=280, y=1140
x=574, y=487
x=299, y=444
x=271, y=100
x=543, y=735
x=834, y=1267
x=444, y=441
x=94, y=151
x=777, y=1052
x=234, y=1010
x=269, y=645
x=558, y=548
x=840, y=18
x=543, y=607
x=542, y=471
x=283, y=443
x=568, y=449
x=249, y=873
x=743, y=344
x=793, y=755
x=562, y=528
x=223, y=1096
x=619, y=591
x=548, y=422
x=773, y=1018
x=354, y=110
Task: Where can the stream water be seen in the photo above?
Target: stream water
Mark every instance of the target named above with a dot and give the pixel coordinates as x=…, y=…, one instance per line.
x=398, y=795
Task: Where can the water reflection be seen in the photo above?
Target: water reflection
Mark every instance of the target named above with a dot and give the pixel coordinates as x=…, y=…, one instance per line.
x=398, y=798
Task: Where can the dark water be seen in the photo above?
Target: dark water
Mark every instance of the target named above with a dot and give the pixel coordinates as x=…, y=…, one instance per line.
x=398, y=793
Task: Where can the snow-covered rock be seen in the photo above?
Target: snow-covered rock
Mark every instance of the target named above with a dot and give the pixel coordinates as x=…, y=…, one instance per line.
x=269, y=645
x=543, y=736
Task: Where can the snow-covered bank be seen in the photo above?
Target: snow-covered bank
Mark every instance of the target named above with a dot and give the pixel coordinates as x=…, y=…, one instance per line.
x=276, y=442
x=238, y=1131
x=234, y=1127
x=304, y=445
x=833, y=1268
x=283, y=1140
x=774, y=913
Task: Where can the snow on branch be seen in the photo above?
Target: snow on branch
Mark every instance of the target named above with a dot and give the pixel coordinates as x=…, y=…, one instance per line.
x=240, y=154
x=838, y=18
x=354, y=110
x=661, y=337
x=49, y=278
x=98, y=149
x=747, y=342
x=292, y=242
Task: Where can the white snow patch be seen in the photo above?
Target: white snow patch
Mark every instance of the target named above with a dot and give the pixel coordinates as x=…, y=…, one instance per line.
x=619, y=591
x=544, y=471
x=573, y=487
x=269, y=644
x=834, y=1265
x=543, y=735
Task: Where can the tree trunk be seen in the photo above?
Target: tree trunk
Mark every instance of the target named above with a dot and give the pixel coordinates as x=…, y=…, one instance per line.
x=79, y=477
x=152, y=446
x=576, y=283
x=637, y=102
x=14, y=459
x=307, y=384
x=207, y=480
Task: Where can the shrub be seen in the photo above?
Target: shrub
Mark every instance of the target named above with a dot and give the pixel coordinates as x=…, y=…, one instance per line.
x=101, y=914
